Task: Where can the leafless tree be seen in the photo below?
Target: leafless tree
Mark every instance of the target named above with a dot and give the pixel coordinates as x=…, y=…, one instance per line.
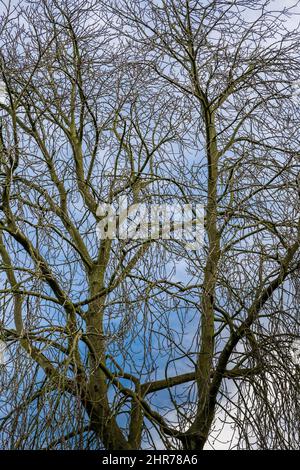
x=130, y=344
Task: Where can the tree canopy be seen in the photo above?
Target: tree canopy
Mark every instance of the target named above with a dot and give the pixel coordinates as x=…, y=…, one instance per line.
x=129, y=343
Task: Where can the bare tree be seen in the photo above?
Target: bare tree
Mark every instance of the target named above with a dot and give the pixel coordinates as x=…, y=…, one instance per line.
x=129, y=344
